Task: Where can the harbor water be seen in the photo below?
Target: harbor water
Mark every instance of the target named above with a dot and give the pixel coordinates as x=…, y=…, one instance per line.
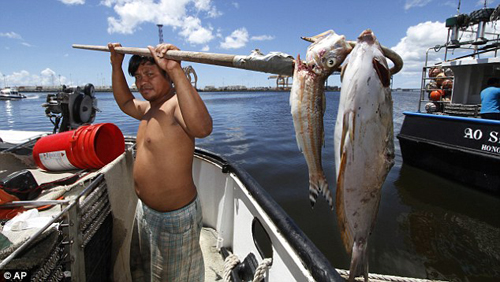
x=427, y=226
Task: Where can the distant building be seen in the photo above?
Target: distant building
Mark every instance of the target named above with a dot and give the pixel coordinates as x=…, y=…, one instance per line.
x=210, y=88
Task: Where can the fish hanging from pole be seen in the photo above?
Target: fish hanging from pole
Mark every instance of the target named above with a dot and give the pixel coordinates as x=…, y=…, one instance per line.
x=364, y=146
x=307, y=101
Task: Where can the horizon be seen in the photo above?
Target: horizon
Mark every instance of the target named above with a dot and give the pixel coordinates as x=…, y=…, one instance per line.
x=41, y=54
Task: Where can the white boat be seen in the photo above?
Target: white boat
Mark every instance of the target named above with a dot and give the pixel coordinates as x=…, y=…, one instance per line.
x=86, y=235
x=10, y=94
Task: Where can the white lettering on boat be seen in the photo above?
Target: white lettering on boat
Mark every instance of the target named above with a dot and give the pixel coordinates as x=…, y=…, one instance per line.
x=493, y=137
x=473, y=134
x=490, y=148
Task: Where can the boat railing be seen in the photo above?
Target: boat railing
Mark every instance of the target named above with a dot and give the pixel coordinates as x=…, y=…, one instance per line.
x=429, y=84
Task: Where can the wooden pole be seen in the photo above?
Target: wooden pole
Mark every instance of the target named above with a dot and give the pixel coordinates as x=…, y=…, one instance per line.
x=283, y=66
x=234, y=61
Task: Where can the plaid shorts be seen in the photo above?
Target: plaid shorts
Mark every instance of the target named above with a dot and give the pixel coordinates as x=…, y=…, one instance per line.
x=168, y=244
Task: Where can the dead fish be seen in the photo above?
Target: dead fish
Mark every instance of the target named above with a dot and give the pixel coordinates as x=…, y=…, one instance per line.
x=364, y=146
x=307, y=101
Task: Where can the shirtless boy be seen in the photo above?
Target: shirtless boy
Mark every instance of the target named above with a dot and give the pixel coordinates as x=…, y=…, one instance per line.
x=168, y=215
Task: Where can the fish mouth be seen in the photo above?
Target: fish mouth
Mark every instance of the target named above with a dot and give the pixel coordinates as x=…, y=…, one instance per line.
x=367, y=36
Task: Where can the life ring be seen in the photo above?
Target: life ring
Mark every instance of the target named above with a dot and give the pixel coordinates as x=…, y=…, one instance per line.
x=496, y=14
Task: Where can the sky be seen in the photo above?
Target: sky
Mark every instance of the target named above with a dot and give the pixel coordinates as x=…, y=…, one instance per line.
x=36, y=37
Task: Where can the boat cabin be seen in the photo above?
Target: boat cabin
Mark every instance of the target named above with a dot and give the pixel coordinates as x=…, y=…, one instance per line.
x=453, y=86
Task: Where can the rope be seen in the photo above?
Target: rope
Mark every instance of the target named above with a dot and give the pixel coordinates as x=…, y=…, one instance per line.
x=379, y=277
x=229, y=263
x=262, y=269
x=232, y=261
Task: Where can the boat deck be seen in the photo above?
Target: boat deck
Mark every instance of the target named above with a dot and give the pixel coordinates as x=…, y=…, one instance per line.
x=214, y=264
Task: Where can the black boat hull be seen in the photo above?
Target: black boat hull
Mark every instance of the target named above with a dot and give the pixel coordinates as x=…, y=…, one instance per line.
x=463, y=149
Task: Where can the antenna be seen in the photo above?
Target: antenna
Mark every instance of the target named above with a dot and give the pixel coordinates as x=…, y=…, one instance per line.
x=160, y=33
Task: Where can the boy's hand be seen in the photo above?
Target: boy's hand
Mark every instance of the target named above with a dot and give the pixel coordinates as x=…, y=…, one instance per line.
x=116, y=58
x=158, y=54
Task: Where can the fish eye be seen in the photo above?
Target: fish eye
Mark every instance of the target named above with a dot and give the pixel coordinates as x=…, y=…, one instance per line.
x=330, y=63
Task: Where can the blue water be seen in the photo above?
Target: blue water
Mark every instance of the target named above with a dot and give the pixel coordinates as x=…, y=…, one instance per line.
x=427, y=226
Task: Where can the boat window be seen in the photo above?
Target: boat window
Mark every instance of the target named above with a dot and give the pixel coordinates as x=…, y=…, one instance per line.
x=261, y=239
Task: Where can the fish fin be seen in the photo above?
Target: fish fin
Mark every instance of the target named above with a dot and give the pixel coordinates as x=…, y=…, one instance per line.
x=345, y=232
x=322, y=125
x=318, y=37
x=382, y=71
x=359, y=260
x=348, y=127
x=313, y=192
x=317, y=184
x=342, y=71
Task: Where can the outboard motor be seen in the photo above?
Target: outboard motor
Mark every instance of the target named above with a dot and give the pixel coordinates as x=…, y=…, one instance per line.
x=72, y=107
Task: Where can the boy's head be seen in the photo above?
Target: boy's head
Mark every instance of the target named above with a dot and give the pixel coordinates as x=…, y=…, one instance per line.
x=151, y=81
x=493, y=82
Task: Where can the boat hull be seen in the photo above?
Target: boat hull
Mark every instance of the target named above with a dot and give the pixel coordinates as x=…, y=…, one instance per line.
x=11, y=97
x=466, y=150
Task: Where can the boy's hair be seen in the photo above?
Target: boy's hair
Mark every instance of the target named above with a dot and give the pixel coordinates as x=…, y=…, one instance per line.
x=492, y=81
x=137, y=60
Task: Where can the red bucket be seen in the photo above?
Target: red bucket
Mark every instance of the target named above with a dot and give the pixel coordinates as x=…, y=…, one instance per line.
x=88, y=147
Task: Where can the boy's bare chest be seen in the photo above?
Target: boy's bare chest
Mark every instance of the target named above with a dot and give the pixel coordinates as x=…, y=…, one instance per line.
x=158, y=127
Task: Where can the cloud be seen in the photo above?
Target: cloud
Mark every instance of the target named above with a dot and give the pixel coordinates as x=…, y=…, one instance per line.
x=481, y=3
x=419, y=38
x=11, y=35
x=416, y=3
x=262, y=37
x=194, y=33
x=181, y=15
x=24, y=78
x=73, y=2
x=413, y=47
x=236, y=40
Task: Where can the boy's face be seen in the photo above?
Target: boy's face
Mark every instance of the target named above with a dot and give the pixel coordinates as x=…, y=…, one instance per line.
x=151, y=82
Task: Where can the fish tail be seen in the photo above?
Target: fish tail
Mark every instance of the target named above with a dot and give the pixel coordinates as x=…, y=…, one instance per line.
x=319, y=184
x=313, y=194
x=359, y=260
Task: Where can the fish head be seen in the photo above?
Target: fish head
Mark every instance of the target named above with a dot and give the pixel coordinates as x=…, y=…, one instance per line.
x=368, y=39
x=327, y=52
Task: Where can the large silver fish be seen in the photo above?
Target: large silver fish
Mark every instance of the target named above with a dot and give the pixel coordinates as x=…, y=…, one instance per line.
x=364, y=146
x=307, y=100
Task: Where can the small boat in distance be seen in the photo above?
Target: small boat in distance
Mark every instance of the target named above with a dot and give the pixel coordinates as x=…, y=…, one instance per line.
x=10, y=94
x=446, y=135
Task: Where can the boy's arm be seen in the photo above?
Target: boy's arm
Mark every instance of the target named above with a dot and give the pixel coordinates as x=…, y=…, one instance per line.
x=192, y=112
x=123, y=96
